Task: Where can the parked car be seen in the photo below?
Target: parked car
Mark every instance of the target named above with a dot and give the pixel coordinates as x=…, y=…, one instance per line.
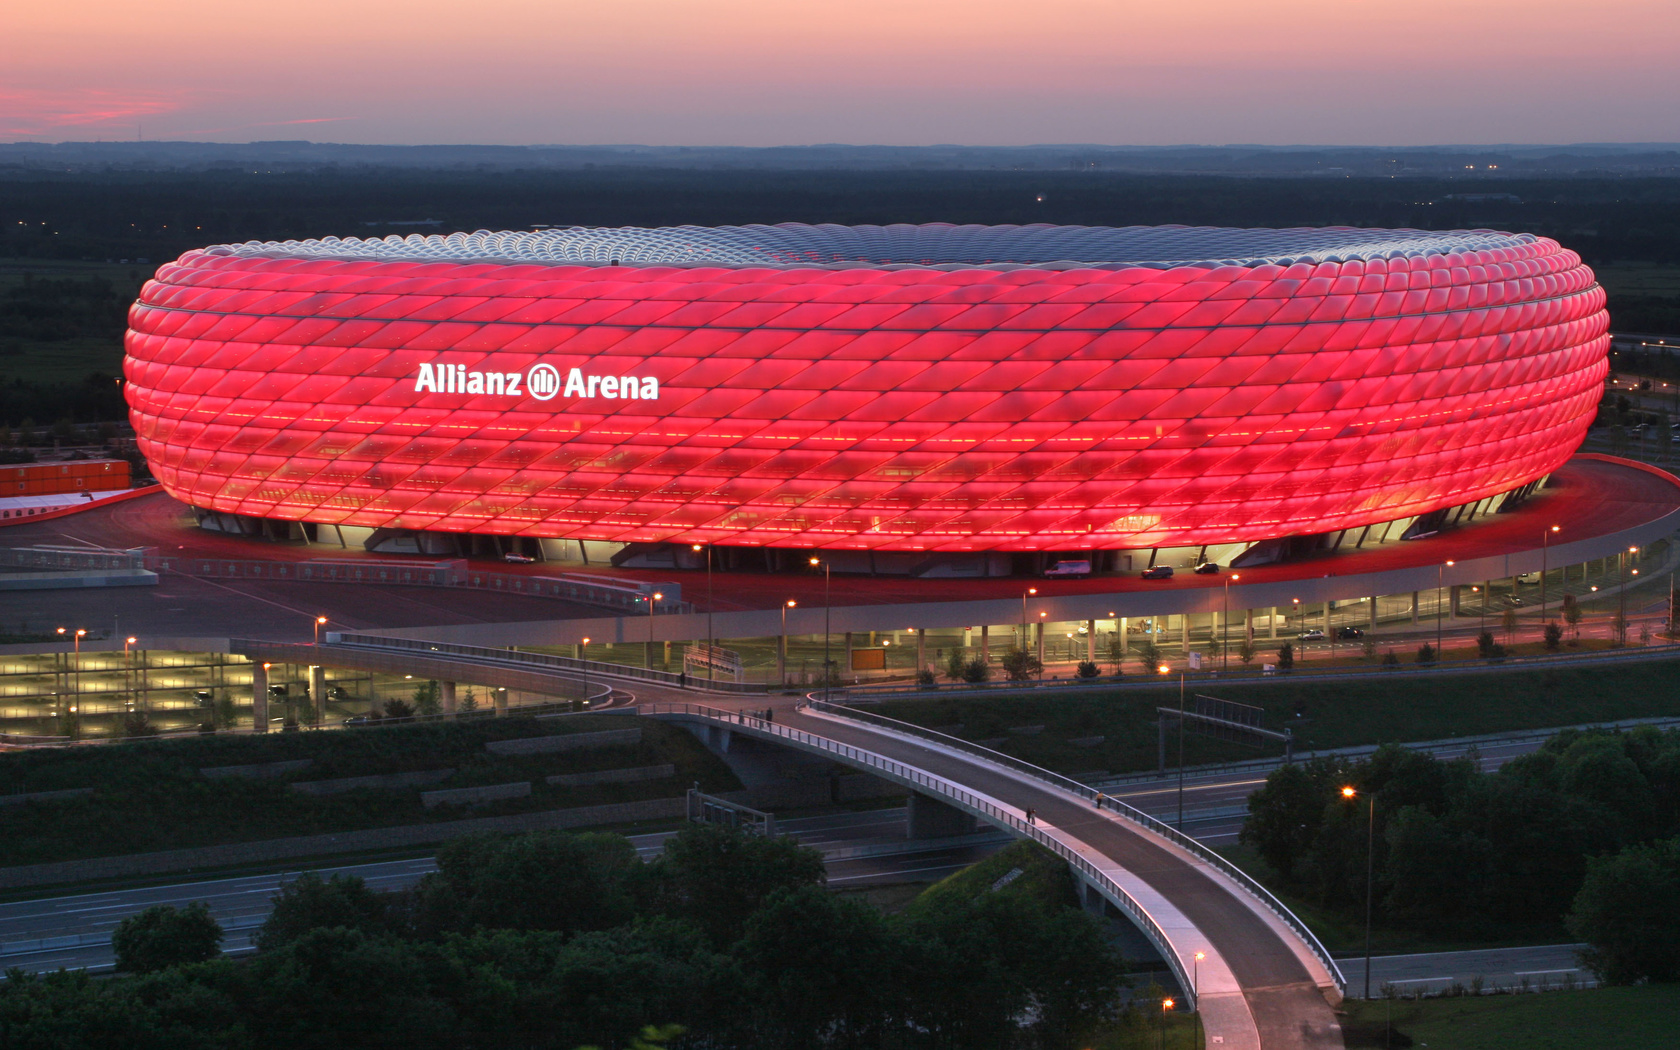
x=1528, y=577
x=1312, y=635
x=1079, y=567
x=1514, y=602
x=1351, y=633
x=1158, y=572
x=1208, y=568
x=517, y=559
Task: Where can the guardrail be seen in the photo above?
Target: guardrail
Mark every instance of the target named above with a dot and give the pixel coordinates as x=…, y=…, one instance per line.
x=70, y=558
x=544, y=661
x=1102, y=801
x=951, y=791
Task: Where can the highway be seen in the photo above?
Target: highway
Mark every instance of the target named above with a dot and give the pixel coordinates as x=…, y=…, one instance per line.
x=75, y=931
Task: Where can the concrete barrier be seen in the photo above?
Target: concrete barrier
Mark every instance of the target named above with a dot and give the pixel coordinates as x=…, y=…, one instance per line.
x=612, y=776
x=258, y=769
x=473, y=795
x=536, y=745
x=43, y=796
x=378, y=782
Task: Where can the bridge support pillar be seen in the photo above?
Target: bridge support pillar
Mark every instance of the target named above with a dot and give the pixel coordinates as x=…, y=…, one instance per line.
x=1091, y=641
x=501, y=703
x=1414, y=608
x=446, y=699
x=921, y=651
x=318, y=692
x=259, y=698
x=1041, y=643
x=1094, y=901
x=1452, y=609
x=848, y=652
x=1373, y=600
x=985, y=644
x=1271, y=621
x=929, y=818
x=718, y=737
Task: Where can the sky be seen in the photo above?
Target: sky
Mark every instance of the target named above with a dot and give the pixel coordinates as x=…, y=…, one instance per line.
x=890, y=72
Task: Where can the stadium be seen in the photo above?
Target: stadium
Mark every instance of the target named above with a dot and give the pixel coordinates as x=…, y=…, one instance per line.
x=925, y=394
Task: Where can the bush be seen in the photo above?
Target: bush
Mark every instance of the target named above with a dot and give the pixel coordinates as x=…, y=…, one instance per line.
x=1485, y=646
x=1389, y=660
x=1087, y=669
x=1246, y=651
x=1021, y=665
x=1285, y=656
x=925, y=677
x=1426, y=653
x=976, y=671
x=956, y=664
x=1554, y=638
x=1150, y=654
x=163, y=936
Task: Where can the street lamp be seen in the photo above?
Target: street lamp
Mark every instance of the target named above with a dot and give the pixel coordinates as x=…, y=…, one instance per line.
x=654, y=598
x=1196, y=986
x=1545, y=543
x=828, y=605
x=1166, y=1004
x=1225, y=654
x=1029, y=590
x=1370, y=842
x=711, y=635
x=583, y=652
x=1621, y=598
x=320, y=621
x=1440, y=571
x=128, y=671
x=781, y=657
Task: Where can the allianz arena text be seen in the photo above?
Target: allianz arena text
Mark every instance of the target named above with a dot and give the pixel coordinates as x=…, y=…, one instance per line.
x=903, y=388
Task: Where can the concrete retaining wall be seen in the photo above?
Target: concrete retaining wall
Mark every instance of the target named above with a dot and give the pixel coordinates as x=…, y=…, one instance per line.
x=259, y=769
x=535, y=745
x=183, y=860
x=43, y=796
x=471, y=796
x=378, y=782
x=613, y=776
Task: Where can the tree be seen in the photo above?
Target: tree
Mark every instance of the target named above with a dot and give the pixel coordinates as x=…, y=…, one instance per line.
x=1369, y=648
x=1628, y=912
x=1283, y=817
x=1553, y=640
x=1508, y=623
x=163, y=936
x=1116, y=651
x=1021, y=665
x=1619, y=628
x=1426, y=653
x=926, y=678
x=1150, y=654
x=1285, y=657
x=1087, y=670
x=543, y=880
x=1389, y=660
x=1246, y=651
x=310, y=902
x=426, y=703
x=398, y=711
x=956, y=662
x=469, y=699
x=1572, y=615
x=1487, y=648
x=976, y=671
x=715, y=877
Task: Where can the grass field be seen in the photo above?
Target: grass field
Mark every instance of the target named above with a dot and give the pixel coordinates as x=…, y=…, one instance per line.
x=1321, y=714
x=1641, y=1018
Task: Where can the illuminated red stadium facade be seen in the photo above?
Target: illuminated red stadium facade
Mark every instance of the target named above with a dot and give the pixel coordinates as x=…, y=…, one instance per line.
x=927, y=388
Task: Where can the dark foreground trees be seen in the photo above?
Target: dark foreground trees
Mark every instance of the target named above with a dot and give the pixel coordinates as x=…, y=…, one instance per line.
x=552, y=941
x=163, y=936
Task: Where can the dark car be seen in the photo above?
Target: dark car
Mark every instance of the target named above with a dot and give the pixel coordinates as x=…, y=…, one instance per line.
x=1353, y=633
x=1208, y=568
x=1158, y=572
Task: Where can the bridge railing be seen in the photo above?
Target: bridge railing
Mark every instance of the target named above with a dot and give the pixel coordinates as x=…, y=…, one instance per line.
x=1102, y=801
x=950, y=791
x=539, y=661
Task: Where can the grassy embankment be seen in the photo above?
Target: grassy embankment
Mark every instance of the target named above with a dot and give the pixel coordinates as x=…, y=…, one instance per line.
x=1595, y=1019
x=1322, y=714
x=151, y=796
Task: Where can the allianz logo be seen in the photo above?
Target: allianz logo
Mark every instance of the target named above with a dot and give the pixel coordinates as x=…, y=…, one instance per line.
x=541, y=381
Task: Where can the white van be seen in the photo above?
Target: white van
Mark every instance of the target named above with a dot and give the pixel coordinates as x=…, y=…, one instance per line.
x=1528, y=577
x=1069, y=568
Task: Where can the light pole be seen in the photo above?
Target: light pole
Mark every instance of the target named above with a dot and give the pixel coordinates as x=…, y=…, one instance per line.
x=1370, y=842
x=1029, y=590
x=781, y=656
x=828, y=605
x=320, y=621
x=128, y=672
x=1621, y=598
x=1166, y=1004
x=1440, y=571
x=711, y=635
x=1196, y=988
x=652, y=600
x=1225, y=616
x=1545, y=543
x=583, y=652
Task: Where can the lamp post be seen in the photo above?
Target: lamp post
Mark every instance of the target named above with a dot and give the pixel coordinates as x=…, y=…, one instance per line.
x=1370, y=842
x=828, y=605
x=1196, y=988
x=711, y=635
x=583, y=653
x=1545, y=543
x=1621, y=599
x=1440, y=571
x=1225, y=616
x=1166, y=1004
x=781, y=656
x=653, y=599
x=320, y=621
x=1029, y=590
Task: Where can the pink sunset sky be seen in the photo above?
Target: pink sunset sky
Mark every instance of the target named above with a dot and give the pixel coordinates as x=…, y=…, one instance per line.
x=898, y=72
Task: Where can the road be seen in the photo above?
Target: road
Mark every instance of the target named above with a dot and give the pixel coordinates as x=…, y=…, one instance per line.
x=1538, y=967
x=75, y=931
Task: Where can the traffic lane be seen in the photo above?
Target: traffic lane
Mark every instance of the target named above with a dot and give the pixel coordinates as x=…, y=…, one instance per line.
x=909, y=867
x=1292, y=1012
x=1551, y=965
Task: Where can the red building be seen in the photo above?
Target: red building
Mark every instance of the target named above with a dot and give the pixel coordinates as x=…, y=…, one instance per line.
x=930, y=388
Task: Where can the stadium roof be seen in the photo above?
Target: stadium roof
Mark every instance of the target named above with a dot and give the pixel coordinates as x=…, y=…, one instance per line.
x=936, y=245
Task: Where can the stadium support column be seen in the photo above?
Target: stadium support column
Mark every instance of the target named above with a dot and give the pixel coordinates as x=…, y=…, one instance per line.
x=501, y=696
x=1414, y=608
x=1452, y=609
x=848, y=652
x=1271, y=622
x=985, y=644
x=1184, y=633
x=318, y=692
x=921, y=650
x=1326, y=619
x=1041, y=643
x=1090, y=641
x=259, y=697
x=1373, y=600
x=446, y=698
